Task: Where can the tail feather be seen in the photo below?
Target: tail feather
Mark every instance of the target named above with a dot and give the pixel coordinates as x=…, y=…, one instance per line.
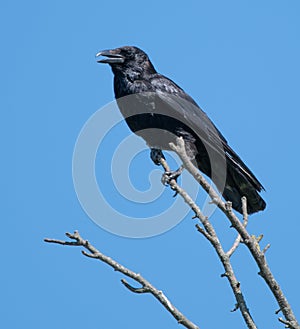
x=239, y=182
x=237, y=185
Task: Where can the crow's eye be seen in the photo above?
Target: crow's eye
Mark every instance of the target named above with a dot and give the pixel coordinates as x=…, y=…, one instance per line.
x=129, y=55
x=124, y=53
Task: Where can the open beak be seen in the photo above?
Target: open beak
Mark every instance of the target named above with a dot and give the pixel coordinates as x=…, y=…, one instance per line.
x=111, y=57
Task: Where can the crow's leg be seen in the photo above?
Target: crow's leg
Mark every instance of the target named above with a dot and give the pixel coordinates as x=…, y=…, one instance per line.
x=156, y=155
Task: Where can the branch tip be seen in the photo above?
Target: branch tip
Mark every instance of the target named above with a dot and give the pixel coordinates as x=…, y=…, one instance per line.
x=266, y=248
x=287, y=323
x=90, y=255
x=141, y=290
x=236, y=307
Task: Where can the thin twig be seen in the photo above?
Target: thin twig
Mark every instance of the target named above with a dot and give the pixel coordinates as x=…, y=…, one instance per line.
x=249, y=241
x=266, y=248
x=142, y=290
x=287, y=323
x=146, y=286
x=245, y=222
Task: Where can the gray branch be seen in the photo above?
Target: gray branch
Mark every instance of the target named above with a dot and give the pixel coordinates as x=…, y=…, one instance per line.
x=250, y=241
x=146, y=286
x=209, y=232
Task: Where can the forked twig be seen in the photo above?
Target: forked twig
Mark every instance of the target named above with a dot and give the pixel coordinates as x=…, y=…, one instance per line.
x=207, y=230
x=249, y=241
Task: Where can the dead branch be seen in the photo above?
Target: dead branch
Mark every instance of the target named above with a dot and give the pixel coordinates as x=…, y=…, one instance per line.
x=249, y=241
x=146, y=286
x=208, y=232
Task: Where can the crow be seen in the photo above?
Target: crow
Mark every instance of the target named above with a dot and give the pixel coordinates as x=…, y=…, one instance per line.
x=158, y=110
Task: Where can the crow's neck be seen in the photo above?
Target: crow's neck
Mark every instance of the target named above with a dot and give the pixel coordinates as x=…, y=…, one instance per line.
x=128, y=82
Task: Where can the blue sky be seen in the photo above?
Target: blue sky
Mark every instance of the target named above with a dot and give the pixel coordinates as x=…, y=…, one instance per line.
x=240, y=62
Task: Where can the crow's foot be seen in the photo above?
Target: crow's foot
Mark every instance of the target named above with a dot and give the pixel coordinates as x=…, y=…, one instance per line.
x=169, y=175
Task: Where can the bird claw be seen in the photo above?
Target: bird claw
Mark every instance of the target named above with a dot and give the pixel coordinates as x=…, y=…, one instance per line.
x=170, y=175
x=156, y=155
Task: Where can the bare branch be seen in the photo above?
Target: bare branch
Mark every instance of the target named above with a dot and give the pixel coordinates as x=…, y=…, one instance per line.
x=207, y=230
x=210, y=234
x=147, y=287
x=249, y=241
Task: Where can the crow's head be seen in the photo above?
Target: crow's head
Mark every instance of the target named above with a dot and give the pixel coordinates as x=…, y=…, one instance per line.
x=126, y=59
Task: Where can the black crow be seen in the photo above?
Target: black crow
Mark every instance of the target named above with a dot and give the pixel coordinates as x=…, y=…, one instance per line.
x=158, y=110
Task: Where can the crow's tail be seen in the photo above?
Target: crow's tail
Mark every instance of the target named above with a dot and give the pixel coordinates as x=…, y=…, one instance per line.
x=239, y=182
x=238, y=185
